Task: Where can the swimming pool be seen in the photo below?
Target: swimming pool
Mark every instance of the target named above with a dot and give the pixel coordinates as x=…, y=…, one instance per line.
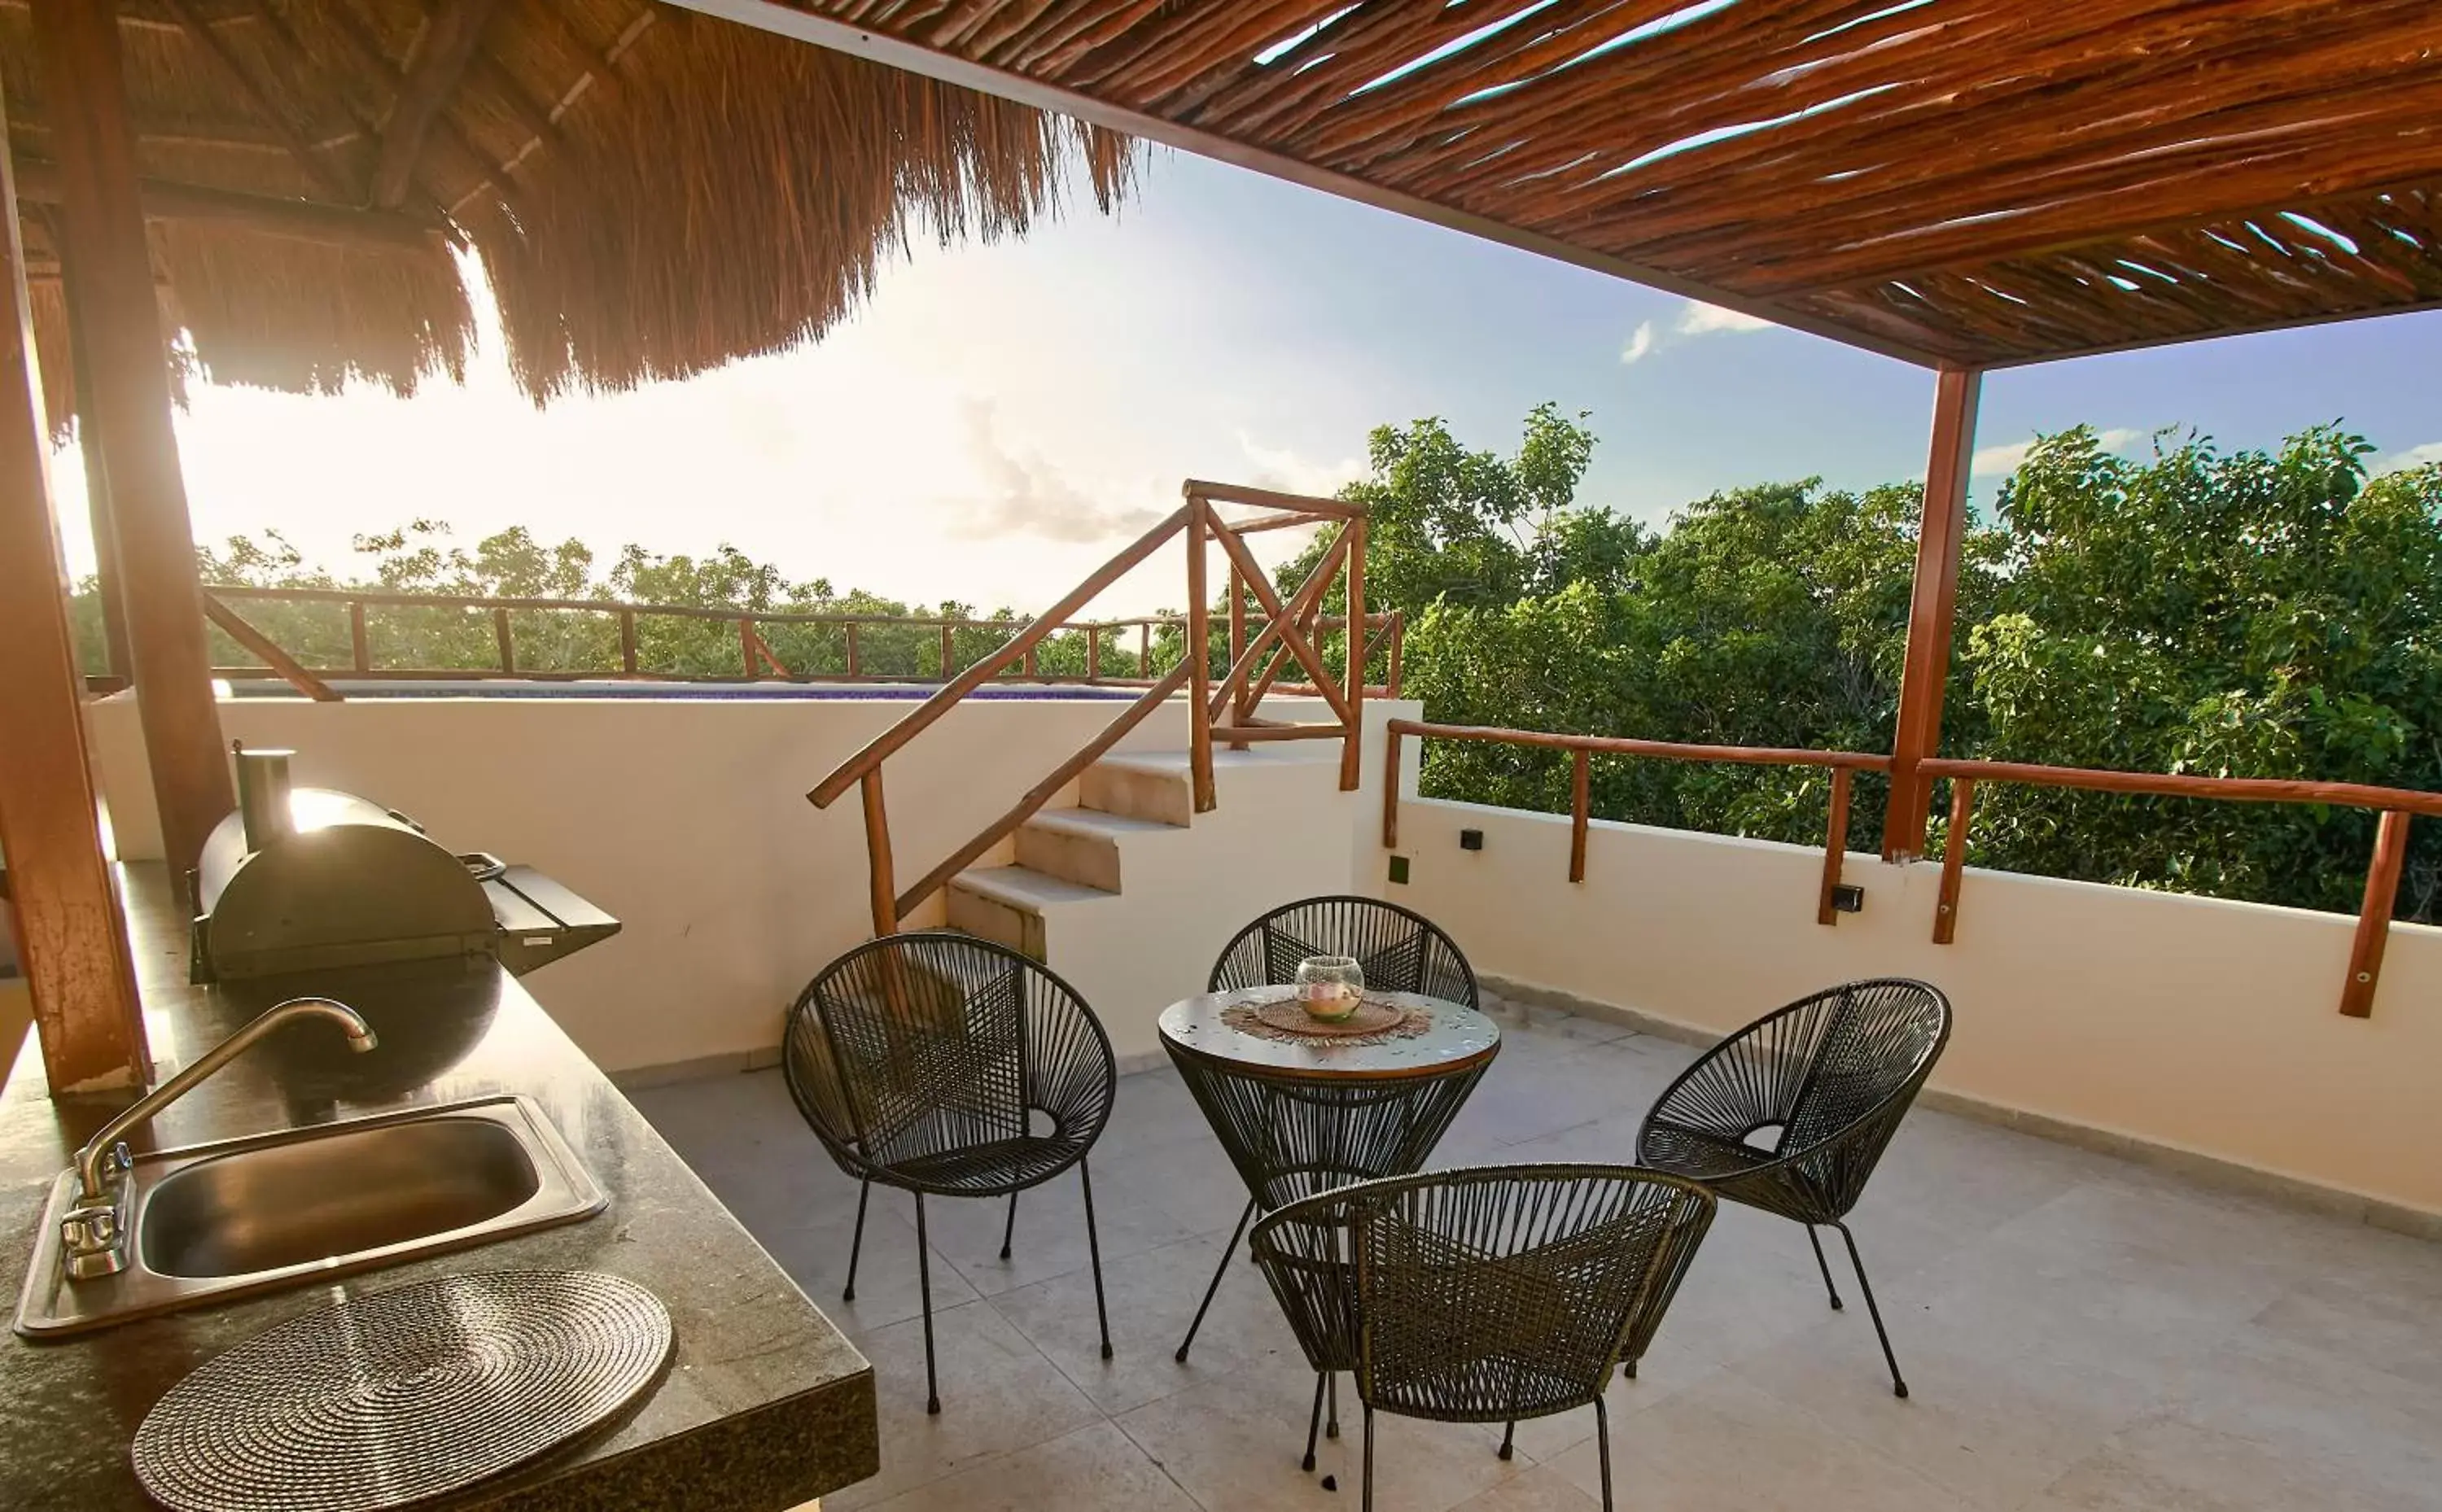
x=492, y=688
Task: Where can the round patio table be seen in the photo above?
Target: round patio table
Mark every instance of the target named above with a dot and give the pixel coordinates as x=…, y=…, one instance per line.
x=1297, y=1117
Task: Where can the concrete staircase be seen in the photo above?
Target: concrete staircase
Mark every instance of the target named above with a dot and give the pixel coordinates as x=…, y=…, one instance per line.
x=1130, y=894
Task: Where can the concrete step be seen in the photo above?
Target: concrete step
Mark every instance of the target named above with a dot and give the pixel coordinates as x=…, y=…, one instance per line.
x=1007, y=903
x=1079, y=845
x=1151, y=787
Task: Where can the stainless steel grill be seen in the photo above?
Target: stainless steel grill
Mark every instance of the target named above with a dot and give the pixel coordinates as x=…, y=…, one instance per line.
x=313, y=879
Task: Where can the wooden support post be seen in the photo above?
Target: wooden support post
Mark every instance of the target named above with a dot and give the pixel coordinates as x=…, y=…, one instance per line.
x=1200, y=679
x=949, y=651
x=1094, y=653
x=627, y=641
x=507, y=641
x=877, y=850
x=2374, y=915
x=1351, y=751
x=854, y=659
x=1953, y=860
x=96, y=479
x=1390, y=789
x=1835, y=848
x=359, y=648
x=1580, y=811
x=746, y=647
x=1144, y=649
x=100, y=210
x=1031, y=669
x=71, y=940
x=1925, y=672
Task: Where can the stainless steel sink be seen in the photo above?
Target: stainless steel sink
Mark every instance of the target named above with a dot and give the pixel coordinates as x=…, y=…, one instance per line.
x=217, y=1221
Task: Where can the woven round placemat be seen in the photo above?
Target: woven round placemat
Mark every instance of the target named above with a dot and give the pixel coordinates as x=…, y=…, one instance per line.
x=1285, y=1018
x=388, y=1399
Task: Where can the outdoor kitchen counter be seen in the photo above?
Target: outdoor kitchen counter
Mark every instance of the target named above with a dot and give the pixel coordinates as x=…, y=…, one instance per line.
x=764, y=1404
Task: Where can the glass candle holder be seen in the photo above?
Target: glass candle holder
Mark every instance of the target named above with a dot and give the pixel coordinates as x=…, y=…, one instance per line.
x=1330, y=987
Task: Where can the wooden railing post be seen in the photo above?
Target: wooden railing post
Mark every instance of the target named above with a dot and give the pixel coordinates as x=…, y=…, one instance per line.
x=855, y=667
x=1200, y=678
x=627, y=641
x=1144, y=649
x=1924, y=670
x=358, y=645
x=1953, y=860
x=1352, y=750
x=507, y=643
x=877, y=852
x=1391, y=742
x=949, y=650
x=1580, y=809
x=2374, y=915
x=1093, y=653
x=1398, y=645
x=1836, y=849
x=1240, y=712
x=746, y=647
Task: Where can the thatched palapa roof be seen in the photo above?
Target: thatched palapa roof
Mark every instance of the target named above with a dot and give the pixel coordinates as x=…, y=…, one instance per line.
x=651, y=193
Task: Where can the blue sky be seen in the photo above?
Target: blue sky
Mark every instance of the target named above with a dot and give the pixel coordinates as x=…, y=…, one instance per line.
x=998, y=419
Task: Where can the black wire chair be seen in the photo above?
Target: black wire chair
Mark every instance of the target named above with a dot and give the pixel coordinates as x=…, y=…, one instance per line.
x=1400, y=950
x=944, y=1065
x=1792, y=1113
x=1289, y=1138
x=1484, y=1295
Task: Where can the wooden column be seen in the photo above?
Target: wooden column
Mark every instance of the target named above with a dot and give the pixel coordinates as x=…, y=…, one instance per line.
x=131, y=409
x=1925, y=672
x=71, y=936
x=97, y=484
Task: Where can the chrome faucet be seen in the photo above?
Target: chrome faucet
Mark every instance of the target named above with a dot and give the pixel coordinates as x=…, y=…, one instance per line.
x=94, y=1233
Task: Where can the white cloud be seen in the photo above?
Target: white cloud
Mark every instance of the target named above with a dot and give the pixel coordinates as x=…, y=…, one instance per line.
x=1993, y=461
x=2423, y=456
x=1640, y=345
x=1700, y=318
x=1026, y=496
x=1289, y=472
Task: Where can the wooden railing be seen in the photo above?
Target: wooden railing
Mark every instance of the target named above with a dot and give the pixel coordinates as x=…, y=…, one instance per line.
x=2395, y=805
x=1224, y=710
x=756, y=659
x=1843, y=766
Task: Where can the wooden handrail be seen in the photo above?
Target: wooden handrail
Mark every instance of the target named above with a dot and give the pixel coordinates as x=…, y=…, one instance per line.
x=1041, y=793
x=1270, y=499
x=2188, y=785
x=908, y=728
x=389, y=599
x=289, y=669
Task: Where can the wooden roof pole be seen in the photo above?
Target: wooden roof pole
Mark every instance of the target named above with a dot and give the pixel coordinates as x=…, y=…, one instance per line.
x=71, y=936
x=103, y=213
x=97, y=473
x=1924, y=674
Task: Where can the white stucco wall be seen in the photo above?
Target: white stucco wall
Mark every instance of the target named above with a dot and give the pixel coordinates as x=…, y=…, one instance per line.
x=686, y=820
x=2205, y=1026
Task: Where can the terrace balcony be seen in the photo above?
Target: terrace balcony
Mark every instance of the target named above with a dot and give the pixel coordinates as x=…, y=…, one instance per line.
x=2159, y=1233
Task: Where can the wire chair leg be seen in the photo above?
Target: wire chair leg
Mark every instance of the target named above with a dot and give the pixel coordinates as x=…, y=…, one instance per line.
x=1093, y=1251
x=1509, y=1440
x=856, y=1248
x=1331, y=1413
x=1368, y=1505
x=1314, y=1421
x=1008, y=1229
x=1899, y=1387
x=1825, y=1267
x=1218, y=1272
x=924, y=1283
x=1602, y=1448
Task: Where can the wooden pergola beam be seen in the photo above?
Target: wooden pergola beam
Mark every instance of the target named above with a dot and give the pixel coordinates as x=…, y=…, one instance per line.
x=71, y=937
x=101, y=212
x=453, y=36
x=303, y=220
x=198, y=26
x=1933, y=604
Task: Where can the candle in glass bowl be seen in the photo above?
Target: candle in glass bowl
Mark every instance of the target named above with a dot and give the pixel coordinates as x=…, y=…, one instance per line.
x=1330, y=987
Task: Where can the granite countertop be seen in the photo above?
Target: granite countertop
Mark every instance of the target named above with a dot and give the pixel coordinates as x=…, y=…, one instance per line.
x=764, y=1405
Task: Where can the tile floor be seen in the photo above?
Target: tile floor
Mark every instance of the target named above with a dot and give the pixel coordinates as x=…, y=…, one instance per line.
x=2078, y=1332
